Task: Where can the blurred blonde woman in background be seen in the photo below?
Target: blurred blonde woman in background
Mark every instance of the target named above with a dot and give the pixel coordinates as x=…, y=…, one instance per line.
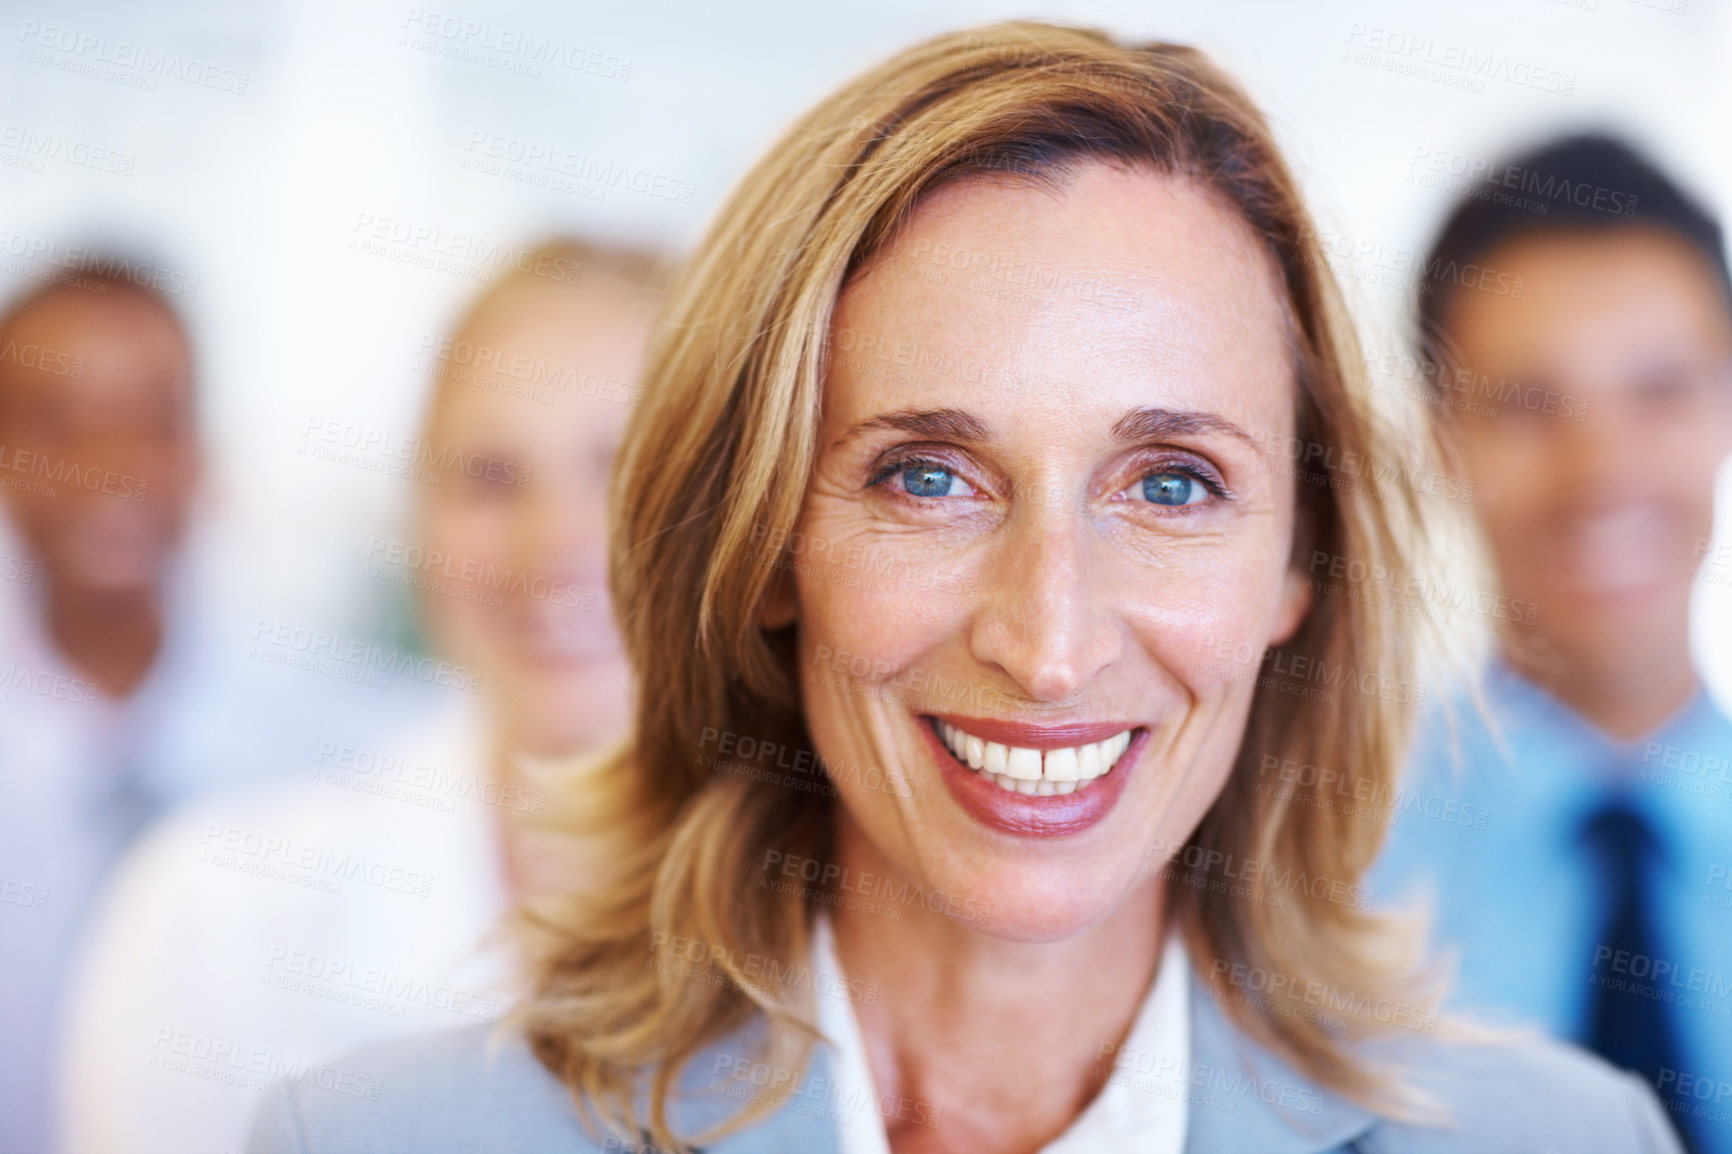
x=959, y=472
x=247, y=942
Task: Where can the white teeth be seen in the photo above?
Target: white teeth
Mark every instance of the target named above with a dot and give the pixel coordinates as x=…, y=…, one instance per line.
x=1060, y=765
x=1032, y=771
x=1024, y=764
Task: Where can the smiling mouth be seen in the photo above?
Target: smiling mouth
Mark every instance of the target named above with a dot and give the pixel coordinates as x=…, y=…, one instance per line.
x=1039, y=772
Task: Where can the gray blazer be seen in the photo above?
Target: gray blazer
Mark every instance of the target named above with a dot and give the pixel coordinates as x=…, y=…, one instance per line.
x=475, y=1091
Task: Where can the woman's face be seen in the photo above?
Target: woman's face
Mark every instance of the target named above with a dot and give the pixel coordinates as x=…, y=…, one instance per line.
x=523, y=543
x=1042, y=511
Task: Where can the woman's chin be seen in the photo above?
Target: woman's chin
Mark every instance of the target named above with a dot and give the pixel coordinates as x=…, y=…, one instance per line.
x=1033, y=907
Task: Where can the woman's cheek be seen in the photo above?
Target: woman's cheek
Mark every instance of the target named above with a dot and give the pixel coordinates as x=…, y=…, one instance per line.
x=872, y=603
x=462, y=547
x=1210, y=635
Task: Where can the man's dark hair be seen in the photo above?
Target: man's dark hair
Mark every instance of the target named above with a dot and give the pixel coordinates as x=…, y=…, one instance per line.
x=104, y=276
x=1586, y=183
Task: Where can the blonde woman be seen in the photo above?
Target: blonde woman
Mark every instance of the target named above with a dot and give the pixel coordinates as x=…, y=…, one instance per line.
x=961, y=476
x=249, y=941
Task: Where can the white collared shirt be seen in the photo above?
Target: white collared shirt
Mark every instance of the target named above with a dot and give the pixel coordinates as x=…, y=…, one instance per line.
x=250, y=939
x=1128, y=1115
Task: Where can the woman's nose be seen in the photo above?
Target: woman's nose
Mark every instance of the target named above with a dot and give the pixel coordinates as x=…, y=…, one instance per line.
x=1043, y=618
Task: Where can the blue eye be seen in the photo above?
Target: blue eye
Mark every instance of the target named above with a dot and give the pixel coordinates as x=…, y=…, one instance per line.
x=925, y=480
x=1173, y=489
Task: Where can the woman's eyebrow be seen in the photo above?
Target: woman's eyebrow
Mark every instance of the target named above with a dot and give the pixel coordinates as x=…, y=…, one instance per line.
x=938, y=424
x=1147, y=424
x=1155, y=424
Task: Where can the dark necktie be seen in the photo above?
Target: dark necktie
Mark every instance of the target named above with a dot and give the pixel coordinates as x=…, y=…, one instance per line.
x=1629, y=1024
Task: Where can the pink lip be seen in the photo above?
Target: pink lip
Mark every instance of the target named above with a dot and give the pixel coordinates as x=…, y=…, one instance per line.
x=1028, y=815
x=1030, y=736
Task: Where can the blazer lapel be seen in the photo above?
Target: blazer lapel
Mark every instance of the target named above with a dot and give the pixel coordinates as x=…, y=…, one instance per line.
x=723, y=1080
x=1244, y=1098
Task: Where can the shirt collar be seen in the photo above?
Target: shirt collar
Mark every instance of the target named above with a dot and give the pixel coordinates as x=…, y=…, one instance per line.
x=1522, y=705
x=1239, y=1096
x=1145, y=1113
x=1134, y=1112
x=1569, y=767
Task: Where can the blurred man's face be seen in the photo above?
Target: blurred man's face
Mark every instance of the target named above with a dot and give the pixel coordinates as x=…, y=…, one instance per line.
x=1598, y=522
x=97, y=433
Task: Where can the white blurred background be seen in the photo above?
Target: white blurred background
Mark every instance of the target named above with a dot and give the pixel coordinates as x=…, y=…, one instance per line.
x=322, y=120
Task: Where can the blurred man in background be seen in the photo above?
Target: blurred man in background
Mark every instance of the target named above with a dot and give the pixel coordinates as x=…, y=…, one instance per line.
x=1577, y=323
x=119, y=695
x=98, y=458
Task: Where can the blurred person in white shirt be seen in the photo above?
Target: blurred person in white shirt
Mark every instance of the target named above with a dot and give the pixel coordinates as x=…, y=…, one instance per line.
x=247, y=941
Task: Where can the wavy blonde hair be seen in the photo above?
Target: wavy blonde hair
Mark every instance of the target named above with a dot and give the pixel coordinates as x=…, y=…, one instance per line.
x=715, y=465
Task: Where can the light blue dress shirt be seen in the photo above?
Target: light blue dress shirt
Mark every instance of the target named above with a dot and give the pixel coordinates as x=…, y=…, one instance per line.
x=1517, y=893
